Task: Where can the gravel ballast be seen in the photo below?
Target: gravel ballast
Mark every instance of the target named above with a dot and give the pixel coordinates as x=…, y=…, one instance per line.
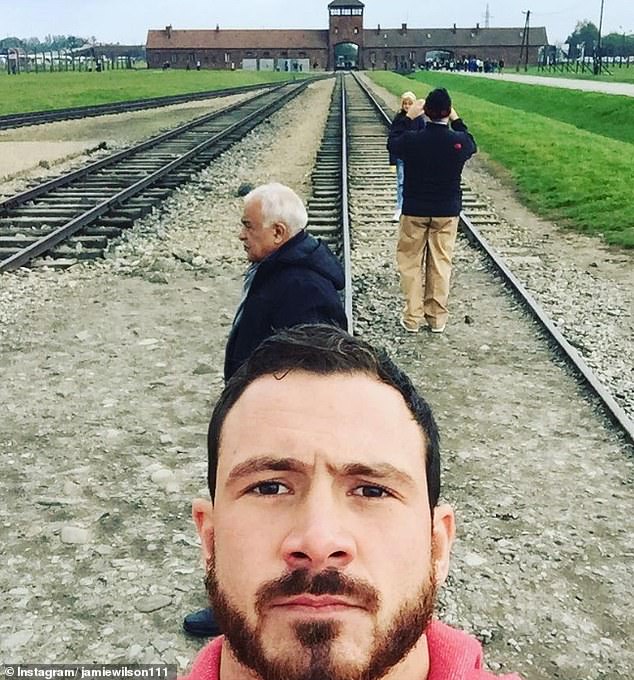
x=111, y=369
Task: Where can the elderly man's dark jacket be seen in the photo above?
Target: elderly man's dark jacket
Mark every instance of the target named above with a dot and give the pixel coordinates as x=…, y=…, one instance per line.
x=298, y=283
x=434, y=158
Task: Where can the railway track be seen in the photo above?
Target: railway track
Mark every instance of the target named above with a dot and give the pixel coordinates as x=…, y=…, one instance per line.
x=352, y=186
x=15, y=120
x=73, y=216
x=539, y=480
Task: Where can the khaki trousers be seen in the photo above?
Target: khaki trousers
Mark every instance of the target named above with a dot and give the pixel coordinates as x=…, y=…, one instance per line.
x=428, y=242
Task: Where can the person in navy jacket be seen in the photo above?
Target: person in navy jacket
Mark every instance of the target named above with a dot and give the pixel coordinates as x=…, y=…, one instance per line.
x=432, y=201
x=293, y=278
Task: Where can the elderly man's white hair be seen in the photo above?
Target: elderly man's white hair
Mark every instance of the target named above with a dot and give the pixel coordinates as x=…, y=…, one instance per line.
x=280, y=203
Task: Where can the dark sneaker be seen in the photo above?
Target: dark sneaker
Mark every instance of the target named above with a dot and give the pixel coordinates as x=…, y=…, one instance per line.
x=201, y=623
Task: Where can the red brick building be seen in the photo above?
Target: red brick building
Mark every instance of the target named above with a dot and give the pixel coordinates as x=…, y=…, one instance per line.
x=345, y=44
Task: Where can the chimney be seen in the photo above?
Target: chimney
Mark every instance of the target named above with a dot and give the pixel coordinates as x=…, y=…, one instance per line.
x=453, y=30
x=477, y=27
x=217, y=28
x=378, y=29
x=168, y=30
x=403, y=29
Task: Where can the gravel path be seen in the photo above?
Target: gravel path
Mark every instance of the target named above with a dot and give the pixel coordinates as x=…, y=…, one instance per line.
x=625, y=89
x=110, y=371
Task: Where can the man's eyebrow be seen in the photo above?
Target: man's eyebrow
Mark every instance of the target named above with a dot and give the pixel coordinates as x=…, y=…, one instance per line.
x=265, y=464
x=378, y=471
x=273, y=464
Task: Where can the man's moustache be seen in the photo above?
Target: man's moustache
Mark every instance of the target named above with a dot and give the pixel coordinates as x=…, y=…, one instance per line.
x=328, y=582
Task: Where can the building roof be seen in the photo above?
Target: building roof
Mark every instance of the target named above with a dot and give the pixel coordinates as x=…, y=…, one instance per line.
x=226, y=39
x=374, y=38
x=345, y=3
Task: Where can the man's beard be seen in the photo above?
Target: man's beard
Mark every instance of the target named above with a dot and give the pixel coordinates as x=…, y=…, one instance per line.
x=390, y=644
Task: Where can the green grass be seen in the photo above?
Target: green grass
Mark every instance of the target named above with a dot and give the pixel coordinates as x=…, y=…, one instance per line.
x=575, y=176
x=609, y=115
x=44, y=91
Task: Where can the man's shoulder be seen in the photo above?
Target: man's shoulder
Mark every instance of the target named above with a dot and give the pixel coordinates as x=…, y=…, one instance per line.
x=308, y=265
x=457, y=655
x=206, y=665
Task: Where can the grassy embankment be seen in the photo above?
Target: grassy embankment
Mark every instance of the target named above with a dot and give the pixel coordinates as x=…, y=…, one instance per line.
x=569, y=154
x=43, y=91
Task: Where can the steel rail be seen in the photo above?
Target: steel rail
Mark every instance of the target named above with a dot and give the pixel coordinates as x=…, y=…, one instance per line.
x=572, y=356
x=60, y=234
x=345, y=212
x=113, y=159
x=14, y=120
x=570, y=353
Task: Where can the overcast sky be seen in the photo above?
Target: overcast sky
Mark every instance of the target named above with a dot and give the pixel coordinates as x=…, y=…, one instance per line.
x=127, y=21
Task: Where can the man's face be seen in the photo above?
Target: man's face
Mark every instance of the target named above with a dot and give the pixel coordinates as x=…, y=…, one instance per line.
x=258, y=241
x=319, y=544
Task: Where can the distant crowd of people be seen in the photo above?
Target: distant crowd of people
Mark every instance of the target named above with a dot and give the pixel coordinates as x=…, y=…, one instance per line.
x=467, y=64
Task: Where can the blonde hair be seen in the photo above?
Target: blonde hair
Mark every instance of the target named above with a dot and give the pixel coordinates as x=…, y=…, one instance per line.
x=409, y=96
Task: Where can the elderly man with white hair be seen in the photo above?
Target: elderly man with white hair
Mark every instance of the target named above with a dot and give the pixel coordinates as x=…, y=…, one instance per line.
x=293, y=278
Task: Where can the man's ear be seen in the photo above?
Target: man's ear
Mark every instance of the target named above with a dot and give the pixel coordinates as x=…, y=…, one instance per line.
x=203, y=516
x=443, y=534
x=281, y=232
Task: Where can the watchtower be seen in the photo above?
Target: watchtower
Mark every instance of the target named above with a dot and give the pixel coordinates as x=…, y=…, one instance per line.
x=345, y=36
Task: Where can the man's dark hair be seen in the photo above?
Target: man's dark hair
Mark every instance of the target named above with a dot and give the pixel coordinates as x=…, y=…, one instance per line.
x=438, y=104
x=323, y=350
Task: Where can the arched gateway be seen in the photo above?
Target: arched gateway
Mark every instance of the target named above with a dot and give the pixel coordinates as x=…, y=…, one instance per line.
x=346, y=56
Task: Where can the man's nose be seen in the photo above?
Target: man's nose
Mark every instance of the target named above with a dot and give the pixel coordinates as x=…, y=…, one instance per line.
x=318, y=539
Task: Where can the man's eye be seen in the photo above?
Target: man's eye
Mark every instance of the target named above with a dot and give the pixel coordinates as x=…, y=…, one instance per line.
x=369, y=491
x=269, y=489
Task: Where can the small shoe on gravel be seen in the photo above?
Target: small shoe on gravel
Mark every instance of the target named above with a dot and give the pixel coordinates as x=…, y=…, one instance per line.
x=201, y=623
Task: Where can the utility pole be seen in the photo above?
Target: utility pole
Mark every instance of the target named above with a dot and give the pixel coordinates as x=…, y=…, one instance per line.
x=527, y=30
x=525, y=43
x=597, y=56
